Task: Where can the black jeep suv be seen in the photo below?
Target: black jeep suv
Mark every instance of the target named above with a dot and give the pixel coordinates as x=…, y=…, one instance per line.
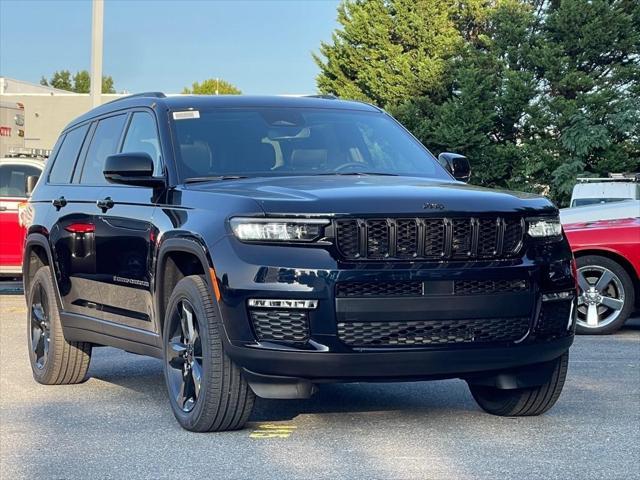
x=264, y=245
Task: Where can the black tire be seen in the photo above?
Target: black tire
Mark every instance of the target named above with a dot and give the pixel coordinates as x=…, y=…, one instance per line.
x=628, y=295
x=54, y=361
x=223, y=400
x=523, y=402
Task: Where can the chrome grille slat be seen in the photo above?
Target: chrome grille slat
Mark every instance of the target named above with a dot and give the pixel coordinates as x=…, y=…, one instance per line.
x=456, y=238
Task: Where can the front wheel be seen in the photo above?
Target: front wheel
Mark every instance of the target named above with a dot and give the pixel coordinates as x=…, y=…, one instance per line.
x=522, y=402
x=206, y=389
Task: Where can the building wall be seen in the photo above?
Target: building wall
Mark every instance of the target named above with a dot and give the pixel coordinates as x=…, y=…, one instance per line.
x=47, y=114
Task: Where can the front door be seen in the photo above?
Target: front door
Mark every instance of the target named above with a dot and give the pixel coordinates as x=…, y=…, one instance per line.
x=125, y=234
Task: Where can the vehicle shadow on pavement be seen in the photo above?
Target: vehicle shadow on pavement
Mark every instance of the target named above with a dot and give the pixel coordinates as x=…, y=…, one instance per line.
x=354, y=398
x=144, y=377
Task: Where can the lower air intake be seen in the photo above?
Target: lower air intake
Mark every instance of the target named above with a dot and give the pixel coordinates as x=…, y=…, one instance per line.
x=432, y=332
x=280, y=325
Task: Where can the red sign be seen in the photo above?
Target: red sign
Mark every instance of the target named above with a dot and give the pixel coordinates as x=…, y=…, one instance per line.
x=5, y=131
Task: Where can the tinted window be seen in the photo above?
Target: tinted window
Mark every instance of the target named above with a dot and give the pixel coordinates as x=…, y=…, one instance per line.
x=142, y=136
x=104, y=143
x=67, y=155
x=297, y=141
x=13, y=179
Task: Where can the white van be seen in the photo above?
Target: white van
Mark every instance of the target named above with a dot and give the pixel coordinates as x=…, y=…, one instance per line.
x=589, y=191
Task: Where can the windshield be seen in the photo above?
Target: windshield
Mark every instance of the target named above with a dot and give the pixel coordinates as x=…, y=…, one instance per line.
x=258, y=142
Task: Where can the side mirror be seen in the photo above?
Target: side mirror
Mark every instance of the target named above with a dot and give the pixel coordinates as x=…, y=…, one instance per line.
x=133, y=168
x=30, y=184
x=457, y=165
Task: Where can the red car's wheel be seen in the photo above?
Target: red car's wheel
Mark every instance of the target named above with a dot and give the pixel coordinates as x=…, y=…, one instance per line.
x=606, y=295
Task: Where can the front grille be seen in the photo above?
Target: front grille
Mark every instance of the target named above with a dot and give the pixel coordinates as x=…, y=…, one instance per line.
x=379, y=289
x=553, y=319
x=280, y=325
x=484, y=287
x=429, y=238
x=432, y=332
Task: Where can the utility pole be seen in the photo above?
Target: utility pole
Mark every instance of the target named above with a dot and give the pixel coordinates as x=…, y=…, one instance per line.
x=96, y=52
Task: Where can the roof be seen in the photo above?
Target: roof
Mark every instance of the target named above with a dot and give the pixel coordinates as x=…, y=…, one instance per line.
x=196, y=102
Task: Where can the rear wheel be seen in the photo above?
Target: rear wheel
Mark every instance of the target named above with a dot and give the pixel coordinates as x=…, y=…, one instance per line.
x=606, y=295
x=206, y=389
x=523, y=401
x=54, y=361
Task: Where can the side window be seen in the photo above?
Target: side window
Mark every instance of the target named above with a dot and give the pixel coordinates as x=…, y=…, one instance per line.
x=67, y=155
x=142, y=136
x=13, y=179
x=104, y=143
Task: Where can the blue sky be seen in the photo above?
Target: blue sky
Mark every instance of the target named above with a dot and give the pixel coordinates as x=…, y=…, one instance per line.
x=263, y=47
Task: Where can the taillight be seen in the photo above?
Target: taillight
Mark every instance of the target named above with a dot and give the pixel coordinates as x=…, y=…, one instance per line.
x=80, y=228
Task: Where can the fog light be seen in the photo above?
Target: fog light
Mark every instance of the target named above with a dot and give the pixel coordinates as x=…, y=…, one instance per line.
x=551, y=297
x=282, y=303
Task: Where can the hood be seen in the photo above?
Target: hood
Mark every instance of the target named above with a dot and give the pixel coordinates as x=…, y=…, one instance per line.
x=375, y=195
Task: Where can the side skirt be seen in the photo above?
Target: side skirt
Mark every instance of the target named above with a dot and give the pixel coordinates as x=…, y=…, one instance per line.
x=81, y=328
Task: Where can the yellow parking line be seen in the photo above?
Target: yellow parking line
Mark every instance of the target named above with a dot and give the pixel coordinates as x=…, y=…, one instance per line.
x=269, y=430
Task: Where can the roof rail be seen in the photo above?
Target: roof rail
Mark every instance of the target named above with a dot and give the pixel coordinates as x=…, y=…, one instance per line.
x=142, y=94
x=326, y=96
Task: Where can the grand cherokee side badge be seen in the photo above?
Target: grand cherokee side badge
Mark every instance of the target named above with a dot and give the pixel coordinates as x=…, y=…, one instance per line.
x=433, y=206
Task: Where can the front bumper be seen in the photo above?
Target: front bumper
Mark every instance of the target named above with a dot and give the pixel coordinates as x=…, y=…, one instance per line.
x=248, y=272
x=421, y=364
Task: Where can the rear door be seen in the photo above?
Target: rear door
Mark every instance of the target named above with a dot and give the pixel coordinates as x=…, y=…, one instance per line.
x=13, y=176
x=74, y=232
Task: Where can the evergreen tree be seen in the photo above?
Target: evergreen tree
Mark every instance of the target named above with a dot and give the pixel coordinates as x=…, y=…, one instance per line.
x=388, y=51
x=534, y=92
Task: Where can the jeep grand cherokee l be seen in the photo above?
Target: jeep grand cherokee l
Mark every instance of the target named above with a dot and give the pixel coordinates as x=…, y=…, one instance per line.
x=263, y=246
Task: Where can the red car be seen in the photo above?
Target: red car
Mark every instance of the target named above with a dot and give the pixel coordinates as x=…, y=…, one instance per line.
x=13, y=175
x=608, y=258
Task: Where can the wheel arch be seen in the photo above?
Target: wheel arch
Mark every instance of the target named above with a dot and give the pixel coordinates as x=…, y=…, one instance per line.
x=178, y=258
x=37, y=253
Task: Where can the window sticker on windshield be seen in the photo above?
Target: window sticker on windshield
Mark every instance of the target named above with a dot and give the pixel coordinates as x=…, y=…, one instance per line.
x=186, y=115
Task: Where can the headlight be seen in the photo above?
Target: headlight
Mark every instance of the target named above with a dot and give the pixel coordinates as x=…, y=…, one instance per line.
x=278, y=230
x=544, y=227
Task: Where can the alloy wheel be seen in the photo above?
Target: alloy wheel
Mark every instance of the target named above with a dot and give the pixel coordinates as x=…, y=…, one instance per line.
x=40, y=326
x=601, y=296
x=184, y=356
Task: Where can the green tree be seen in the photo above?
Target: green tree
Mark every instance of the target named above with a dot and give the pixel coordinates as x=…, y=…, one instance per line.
x=489, y=94
x=588, y=61
x=212, y=86
x=108, y=85
x=535, y=92
x=79, y=83
x=62, y=80
x=82, y=82
x=388, y=50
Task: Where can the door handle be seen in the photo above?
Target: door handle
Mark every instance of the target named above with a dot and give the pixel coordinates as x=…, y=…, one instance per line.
x=59, y=202
x=105, y=204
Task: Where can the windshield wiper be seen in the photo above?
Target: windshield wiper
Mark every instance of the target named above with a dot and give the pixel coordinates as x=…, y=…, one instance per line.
x=360, y=173
x=214, y=178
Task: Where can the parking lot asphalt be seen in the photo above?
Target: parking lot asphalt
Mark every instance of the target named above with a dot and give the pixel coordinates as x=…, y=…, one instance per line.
x=118, y=424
